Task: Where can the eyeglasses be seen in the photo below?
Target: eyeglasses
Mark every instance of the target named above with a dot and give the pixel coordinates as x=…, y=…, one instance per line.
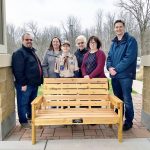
x=80, y=43
x=28, y=39
x=92, y=42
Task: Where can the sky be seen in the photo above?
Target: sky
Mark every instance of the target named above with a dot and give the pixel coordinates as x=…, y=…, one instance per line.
x=53, y=12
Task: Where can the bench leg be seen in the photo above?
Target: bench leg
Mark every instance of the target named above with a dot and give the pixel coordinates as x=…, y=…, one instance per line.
x=120, y=132
x=33, y=134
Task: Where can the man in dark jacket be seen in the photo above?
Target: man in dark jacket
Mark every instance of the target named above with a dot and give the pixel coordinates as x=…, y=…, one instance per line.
x=28, y=74
x=121, y=64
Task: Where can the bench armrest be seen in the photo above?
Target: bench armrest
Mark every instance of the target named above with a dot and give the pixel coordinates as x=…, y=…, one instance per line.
x=37, y=101
x=115, y=101
x=36, y=104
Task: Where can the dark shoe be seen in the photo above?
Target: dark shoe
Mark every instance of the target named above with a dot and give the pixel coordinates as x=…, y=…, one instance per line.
x=26, y=125
x=116, y=110
x=126, y=127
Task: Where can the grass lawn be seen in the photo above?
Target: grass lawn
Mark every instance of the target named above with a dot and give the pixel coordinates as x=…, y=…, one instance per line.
x=40, y=91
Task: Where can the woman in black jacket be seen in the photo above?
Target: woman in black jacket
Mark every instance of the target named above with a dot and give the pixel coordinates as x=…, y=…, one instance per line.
x=81, y=45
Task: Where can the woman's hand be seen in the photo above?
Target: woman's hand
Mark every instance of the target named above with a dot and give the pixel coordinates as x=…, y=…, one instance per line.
x=86, y=76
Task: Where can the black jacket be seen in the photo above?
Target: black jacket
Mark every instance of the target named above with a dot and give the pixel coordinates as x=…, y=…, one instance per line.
x=79, y=55
x=26, y=67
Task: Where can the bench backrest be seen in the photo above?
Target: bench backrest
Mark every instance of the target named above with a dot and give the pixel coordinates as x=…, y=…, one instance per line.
x=78, y=91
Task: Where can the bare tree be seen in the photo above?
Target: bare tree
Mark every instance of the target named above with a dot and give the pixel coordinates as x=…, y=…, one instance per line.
x=140, y=9
x=13, y=37
x=99, y=22
x=33, y=28
x=45, y=38
x=108, y=31
x=89, y=32
x=131, y=26
x=71, y=29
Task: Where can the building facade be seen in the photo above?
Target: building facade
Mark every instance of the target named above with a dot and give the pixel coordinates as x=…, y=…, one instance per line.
x=7, y=93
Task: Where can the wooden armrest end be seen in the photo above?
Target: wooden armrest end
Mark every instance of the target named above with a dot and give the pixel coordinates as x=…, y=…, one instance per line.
x=115, y=101
x=38, y=100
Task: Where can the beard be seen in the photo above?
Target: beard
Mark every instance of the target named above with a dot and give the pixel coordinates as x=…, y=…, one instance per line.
x=29, y=45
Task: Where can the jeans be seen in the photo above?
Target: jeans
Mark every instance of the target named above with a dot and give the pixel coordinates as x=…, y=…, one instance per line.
x=24, y=99
x=122, y=88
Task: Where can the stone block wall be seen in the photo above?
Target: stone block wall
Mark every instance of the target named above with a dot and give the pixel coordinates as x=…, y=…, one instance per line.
x=146, y=90
x=7, y=101
x=7, y=94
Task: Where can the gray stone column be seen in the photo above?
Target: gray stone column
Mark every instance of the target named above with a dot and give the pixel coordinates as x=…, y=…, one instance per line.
x=146, y=91
x=7, y=97
x=7, y=94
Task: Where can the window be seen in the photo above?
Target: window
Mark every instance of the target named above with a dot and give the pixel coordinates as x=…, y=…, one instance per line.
x=3, y=44
x=1, y=23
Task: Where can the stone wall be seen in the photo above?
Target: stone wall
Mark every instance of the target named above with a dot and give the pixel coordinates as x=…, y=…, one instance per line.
x=146, y=91
x=7, y=95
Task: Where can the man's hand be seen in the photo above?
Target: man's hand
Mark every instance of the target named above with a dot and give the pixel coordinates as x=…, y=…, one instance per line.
x=112, y=71
x=24, y=88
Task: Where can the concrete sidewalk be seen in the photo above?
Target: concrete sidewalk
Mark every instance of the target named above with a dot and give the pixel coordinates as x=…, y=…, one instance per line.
x=79, y=144
x=137, y=86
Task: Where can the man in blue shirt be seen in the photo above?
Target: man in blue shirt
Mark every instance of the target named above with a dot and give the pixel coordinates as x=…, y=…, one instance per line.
x=121, y=64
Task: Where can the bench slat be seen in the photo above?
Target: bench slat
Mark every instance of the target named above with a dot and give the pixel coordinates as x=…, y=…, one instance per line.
x=75, y=97
x=77, y=103
x=73, y=115
x=75, y=80
x=75, y=86
x=86, y=120
x=74, y=110
x=75, y=91
x=76, y=113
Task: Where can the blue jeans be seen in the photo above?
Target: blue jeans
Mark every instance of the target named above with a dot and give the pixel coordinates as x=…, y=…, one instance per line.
x=24, y=100
x=122, y=88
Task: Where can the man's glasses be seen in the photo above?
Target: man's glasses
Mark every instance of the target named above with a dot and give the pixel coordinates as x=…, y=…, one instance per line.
x=80, y=43
x=28, y=39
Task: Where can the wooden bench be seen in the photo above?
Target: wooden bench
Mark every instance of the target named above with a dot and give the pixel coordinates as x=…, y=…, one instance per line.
x=74, y=93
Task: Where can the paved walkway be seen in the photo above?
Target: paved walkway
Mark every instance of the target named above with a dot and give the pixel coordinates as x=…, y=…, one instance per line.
x=78, y=144
x=137, y=86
